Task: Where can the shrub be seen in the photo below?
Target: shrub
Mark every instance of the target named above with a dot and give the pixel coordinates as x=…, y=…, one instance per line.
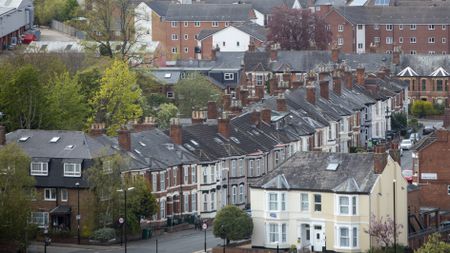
x=104, y=234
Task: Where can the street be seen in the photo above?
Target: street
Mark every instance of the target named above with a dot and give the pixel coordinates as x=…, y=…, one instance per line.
x=186, y=241
x=406, y=160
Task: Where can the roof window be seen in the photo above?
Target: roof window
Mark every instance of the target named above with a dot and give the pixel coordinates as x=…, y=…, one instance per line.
x=24, y=138
x=55, y=139
x=333, y=166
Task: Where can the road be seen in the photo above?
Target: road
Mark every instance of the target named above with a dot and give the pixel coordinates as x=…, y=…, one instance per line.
x=407, y=160
x=180, y=242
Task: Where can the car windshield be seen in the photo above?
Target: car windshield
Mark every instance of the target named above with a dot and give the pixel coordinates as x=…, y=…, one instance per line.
x=406, y=141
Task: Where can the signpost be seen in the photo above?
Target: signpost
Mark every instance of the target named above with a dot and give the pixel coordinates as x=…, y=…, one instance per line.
x=205, y=226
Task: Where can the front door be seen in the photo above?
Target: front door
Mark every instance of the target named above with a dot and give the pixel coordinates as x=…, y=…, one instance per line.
x=317, y=240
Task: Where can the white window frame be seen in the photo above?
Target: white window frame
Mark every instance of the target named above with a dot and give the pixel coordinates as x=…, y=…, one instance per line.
x=376, y=39
x=340, y=28
x=186, y=23
x=389, y=27
x=340, y=41
x=241, y=193
x=194, y=175
x=40, y=218
x=186, y=202
x=389, y=40
x=186, y=36
x=72, y=169
x=194, y=202
x=42, y=171
x=277, y=233
x=205, y=175
x=431, y=27
x=174, y=36
x=162, y=208
x=186, y=175
x=51, y=193
x=400, y=27
x=443, y=27
x=251, y=168
x=353, y=242
x=448, y=189
x=162, y=181
x=197, y=23
x=241, y=167
x=213, y=200
x=413, y=40
x=431, y=40
x=228, y=76
x=304, y=202
x=400, y=40
x=64, y=195
x=173, y=24
x=413, y=27
x=234, y=195
x=317, y=204
x=174, y=50
x=376, y=27
x=233, y=168
x=444, y=40
x=272, y=204
x=205, y=202
x=154, y=182
x=215, y=24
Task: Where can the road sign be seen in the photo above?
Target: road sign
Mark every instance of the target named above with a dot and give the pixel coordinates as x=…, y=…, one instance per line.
x=205, y=226
x=78, y=217
x=121, y=220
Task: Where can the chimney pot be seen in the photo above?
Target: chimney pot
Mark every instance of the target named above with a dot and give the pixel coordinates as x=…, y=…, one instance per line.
x=324, y=89
x=311, y=94
x=97, y=129
x=175, y=131
x=266, y=115
x=224, y=127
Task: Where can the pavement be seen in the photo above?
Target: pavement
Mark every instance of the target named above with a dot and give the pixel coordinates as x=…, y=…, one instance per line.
x=187, y=241
x=53, y=35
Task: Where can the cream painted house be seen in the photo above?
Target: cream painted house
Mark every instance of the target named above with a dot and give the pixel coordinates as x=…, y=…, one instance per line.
x=321, y=201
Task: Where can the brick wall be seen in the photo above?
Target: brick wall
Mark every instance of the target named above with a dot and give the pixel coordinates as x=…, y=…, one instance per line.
x=333, y=19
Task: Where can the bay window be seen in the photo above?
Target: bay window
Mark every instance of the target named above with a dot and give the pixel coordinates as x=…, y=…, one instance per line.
x=304, y=202
x=347, y=205
x=347, y=236
x=277, y=201
x=276, y=231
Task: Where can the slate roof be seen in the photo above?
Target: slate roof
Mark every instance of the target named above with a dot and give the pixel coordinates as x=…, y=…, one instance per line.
x=263, y=6
x=254, y=30
x=256, y=61
x=201, y=11
x=166, y=76
x=224, y=60
x=425, y=142
x=396, y=15
x=308, y=171
x=38, y=144
x=424, y=64
x=206, y=33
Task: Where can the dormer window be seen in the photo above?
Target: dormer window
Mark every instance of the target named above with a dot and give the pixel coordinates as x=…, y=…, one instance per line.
x=72, y=169
x=39, y=169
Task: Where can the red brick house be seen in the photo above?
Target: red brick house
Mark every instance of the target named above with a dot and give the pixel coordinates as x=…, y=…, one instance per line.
x=415, y=30
x=176, y=26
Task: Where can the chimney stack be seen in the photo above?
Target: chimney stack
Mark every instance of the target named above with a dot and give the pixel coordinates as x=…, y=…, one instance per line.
x=379, y=158
x=223, y=127
x=266, y=115
x=335, y=54
x=97, y=129
x=259, y=91
x=256, y=115
x=175, y=131
x=226, y=102
x=212, y=110
x=396, y=56
x=243, y=95
x=251, y=47
x=214, y=53
x=2, y=135
x=324, y=89
x=394, y=152
x=147, y=124
x=360, y=75
x=124, y=138
x=274, y=52
x=198, y=116
x=281, y=103
x=337, y=86
x=311, y=94
x=272, y=86
x=348, y=80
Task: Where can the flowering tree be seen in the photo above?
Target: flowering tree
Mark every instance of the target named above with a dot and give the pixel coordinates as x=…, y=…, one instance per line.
x=383, y=230
x=296, y=29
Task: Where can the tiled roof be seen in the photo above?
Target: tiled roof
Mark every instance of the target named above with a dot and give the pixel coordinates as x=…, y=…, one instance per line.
x=256, y=61
x=308, y=171
x=253, y=29
x=425, y=142
x=263, y=6
x=424, y=64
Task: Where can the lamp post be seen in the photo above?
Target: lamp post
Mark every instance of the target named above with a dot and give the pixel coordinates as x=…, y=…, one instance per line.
x=387, y=116
x=395, y=221
x=125, y=218
x=77, y=184
x=222, y=227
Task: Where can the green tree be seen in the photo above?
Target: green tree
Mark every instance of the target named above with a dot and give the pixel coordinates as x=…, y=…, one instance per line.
x=195, y=92
x=60, y=10
x=232, y=223
x=398, y=121
x=66, y=103
x=165, y=113
x=89, y=80
x=16, y=194
x=421, y=108
x=434, y=244
x=119, y=98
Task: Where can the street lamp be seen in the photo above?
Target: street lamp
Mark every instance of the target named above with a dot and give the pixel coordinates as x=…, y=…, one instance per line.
x=222, y=227
x=387, y=116
x=395, y=222
x=125, y=218
x=77, y=184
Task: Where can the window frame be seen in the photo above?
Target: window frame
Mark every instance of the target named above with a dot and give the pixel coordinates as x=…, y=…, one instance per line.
x=389, y=27
x=431, y=40
x=174, y=36
x=45, y=219
x=412, y=27
x=353, y=236
x=173, y=24
x=228, y=76
x=51, y=193
x=340, y=28
x=154, y=182
x=241, y=193
x=76, y=170
x=64, y=195
x=197, y=23
x=162, y=181
x=43, y=170
x=304, y=205
x=389, y=40
x=317, y=204
x=214, y=23
x=412, y=40
x=431, y=27
x=351, y=205
x=162, y=209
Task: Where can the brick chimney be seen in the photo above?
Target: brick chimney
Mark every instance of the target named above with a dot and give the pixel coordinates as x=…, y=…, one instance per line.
x=381, y=74
x=198, y=116
x=324, y=89
x=226, y=102
x=348, y=78
x=259, y=91
x=251, y=47
x=214, y=54
x=2, y=135
x=396, y=56
x=273, y=53
x=266, y=115
x=97, y=129
x=394, y=152
x=212, y=110
x=446, y=118
x=335, y=54
x=273, y=85
x=243, y=96
x=360, y=75
x=311, y=94
x=281, y=103
x=379, y=158
x=337, y=85
x=175, y=131
x=255, y=117
x=124, y=139
x=223, y=127
x=147, y=124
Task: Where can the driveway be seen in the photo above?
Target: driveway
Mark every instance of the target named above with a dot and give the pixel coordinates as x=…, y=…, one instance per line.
x=186, y=241
x=53, y=35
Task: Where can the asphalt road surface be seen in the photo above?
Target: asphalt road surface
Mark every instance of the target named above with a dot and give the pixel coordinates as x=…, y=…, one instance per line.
x=187, y=241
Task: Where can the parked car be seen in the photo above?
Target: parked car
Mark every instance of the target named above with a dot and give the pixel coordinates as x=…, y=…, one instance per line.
x=428, y=130
x=406, y=144
x=414, y=137
x=408, y=175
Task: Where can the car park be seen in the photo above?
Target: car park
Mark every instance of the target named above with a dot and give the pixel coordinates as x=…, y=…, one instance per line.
x=406, y=144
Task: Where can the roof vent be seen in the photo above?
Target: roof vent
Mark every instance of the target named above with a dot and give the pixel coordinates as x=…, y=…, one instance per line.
x=235, y=139
x=55, y=139
x=69, y=147
x=142, y=144
x=333, y=166
x=24, y=138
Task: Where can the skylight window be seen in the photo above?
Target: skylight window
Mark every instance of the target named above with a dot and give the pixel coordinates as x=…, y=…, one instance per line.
x=195, y=143
x=24, y=138
x=138, y=152
x=55, y=139
x=382, y=2
x=255, y=132
x=142, y=144
x=167, y=75
x=235, y=139
x=69, y=147
x=169, y=146
x=332, y=166
x=189, y=147
x=219, y=141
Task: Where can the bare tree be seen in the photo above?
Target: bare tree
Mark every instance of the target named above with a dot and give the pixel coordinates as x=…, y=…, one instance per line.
x=297, y=29
x=383, y=230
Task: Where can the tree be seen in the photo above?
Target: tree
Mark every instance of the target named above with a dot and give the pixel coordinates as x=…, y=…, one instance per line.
x=61, y=10
x=119, y=98
x=15, y=199
x=165, y=113
x=195, y=93
x=232, y=223
x=383, y=230
x=434, y=244
x=421, y=108
x=399, y=121
x=66, y=103
x=296, y=29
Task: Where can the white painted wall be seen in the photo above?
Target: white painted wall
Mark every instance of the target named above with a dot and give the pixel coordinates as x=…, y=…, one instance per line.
x=361, y=38
x=143, y=23
x=259, y=18
x=231, y=36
